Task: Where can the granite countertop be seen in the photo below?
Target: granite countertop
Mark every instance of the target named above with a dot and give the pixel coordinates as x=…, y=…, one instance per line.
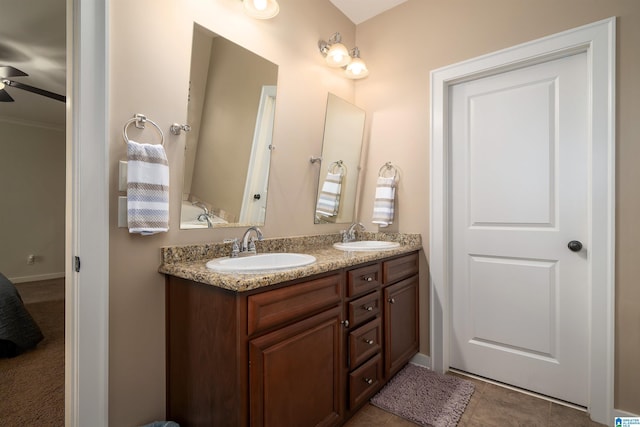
x=188, y=262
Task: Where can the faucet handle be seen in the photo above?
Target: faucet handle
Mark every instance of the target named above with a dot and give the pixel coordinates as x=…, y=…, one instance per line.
x=235, y=248
x=252, y=245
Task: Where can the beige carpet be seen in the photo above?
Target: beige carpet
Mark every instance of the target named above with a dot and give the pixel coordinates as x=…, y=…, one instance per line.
x=41, y=290
x=32, y=383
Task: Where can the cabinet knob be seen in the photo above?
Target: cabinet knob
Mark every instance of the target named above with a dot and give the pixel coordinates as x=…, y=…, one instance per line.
x=370, y=342
x=345, y=323
x=392, y=300
x=367, y=308
x=368, y=380
x=368, y=279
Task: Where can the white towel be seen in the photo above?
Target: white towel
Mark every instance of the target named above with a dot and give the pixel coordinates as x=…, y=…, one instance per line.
x=329, y=197
x=384, y=201
x=147, y=188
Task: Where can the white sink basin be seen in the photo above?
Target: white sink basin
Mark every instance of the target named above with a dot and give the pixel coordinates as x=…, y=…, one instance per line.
x=366, y=245
x=260, y=263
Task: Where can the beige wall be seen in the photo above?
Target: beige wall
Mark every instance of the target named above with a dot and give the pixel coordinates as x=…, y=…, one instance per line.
x=402, y=46
x=150, y=43
x=32, y=176
x=198, y=73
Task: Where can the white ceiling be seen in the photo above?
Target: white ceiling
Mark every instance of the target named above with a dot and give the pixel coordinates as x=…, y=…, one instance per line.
x=33, y=39
x=361, y=10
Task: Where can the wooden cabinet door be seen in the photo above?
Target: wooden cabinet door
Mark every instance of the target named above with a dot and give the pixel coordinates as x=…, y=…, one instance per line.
x=400, y=324
x=295, y=372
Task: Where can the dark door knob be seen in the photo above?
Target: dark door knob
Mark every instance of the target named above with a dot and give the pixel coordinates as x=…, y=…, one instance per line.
x=575, y=246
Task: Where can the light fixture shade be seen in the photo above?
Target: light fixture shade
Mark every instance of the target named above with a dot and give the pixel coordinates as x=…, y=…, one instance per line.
x=338, y=55
x=357, y=69
x=261, y=9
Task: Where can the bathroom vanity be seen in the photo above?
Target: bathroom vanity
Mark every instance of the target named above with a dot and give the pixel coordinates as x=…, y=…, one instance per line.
x=272, y=350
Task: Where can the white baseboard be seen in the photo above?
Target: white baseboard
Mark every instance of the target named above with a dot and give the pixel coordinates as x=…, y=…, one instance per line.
x=36, y=277
x=422, y=360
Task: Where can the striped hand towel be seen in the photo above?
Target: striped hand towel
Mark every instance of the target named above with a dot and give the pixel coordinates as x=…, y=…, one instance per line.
x=384, y=201
x=329, y=197
x=147, y=188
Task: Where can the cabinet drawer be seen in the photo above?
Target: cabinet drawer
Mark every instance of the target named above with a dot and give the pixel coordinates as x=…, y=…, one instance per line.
x=363, y=279
x=282, y=305
x=364, y=381
x=364, y=308
x=399, y=268
x=364, y=342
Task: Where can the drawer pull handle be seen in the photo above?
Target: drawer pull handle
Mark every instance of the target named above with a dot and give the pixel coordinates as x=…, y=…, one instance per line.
x=392, y=300
x=367, y=278
x=367, y=308
x=370, y=342
x=368, y=380
x=345, y=323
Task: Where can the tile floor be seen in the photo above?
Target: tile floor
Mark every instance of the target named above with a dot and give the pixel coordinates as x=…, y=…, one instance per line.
x=490, y=405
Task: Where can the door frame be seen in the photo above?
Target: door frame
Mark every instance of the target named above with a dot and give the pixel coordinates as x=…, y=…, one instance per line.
x=87, y=215
x=598, y=41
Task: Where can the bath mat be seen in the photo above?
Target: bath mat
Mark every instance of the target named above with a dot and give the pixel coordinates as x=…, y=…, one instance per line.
x=425, y=397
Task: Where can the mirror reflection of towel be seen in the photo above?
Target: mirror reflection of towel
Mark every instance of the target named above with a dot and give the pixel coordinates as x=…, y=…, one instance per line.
x=329, y=197
x=384, y=201
x=147, y=188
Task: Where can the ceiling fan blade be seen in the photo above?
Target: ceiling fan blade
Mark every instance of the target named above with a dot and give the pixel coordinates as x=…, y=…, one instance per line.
x=36, y=90
x=9, y=71
x=4, y=96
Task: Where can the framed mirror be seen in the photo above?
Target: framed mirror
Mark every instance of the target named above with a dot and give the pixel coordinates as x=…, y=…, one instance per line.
x=340, y=162
x=231, y=109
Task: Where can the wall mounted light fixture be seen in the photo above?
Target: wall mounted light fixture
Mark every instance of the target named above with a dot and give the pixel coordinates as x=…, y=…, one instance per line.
x=261, y=9
x=337, y=55
x=356, y=69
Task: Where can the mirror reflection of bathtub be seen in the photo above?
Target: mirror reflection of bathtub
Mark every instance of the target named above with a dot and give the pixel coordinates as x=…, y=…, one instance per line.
x=194, y=217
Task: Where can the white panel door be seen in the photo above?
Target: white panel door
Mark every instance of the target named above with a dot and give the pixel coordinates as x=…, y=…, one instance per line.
x=519, y=184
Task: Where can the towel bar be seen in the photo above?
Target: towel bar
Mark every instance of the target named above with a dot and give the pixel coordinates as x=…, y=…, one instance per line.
x=388, y=167
x=139, y=120
x=338, y=166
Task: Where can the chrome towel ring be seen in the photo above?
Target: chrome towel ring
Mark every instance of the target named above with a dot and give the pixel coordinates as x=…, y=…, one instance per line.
x=338, y=167
x=386, y=168
x=140, y=120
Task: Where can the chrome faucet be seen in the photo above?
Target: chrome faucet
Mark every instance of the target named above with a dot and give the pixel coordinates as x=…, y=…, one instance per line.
x=350, y=234
x=205, y=216
x=248, y=246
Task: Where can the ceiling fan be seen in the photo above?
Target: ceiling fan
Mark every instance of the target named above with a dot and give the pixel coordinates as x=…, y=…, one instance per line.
x=7, y=72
